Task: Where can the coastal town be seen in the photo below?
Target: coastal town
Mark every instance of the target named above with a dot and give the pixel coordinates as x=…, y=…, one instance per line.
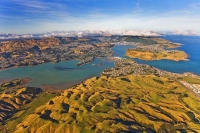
x=124, y=67
x=28, y=52
x=33, y=52
x=195, y=88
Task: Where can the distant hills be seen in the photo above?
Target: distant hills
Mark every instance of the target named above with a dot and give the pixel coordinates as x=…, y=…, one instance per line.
x=5, y=36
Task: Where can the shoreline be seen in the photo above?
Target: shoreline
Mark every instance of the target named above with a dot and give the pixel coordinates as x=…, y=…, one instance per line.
x=159, y=59
x=4, y=69
x=45, y=87
x=62, y=86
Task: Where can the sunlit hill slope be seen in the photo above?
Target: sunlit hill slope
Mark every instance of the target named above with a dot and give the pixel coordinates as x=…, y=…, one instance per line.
x=122, y=104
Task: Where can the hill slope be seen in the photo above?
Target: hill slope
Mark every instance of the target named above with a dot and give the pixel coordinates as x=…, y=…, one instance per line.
x=18, y=101
x=121, y=104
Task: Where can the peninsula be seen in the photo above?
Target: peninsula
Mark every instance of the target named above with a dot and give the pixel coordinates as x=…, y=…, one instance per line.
x=156, y=49
x=157, y=55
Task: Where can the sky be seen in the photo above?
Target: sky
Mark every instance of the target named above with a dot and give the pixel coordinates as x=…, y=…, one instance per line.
x=39, y=16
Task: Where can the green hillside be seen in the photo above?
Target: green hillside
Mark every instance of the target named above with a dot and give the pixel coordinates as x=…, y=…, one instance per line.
x=127, y=103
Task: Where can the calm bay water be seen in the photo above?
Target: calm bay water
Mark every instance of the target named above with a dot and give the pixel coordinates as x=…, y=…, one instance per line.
x=58, y=73
x=66, y=72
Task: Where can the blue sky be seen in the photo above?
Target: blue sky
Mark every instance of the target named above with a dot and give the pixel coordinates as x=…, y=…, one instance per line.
x=38, y=16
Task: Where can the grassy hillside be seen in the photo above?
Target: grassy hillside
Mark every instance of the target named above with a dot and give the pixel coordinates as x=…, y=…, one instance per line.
x=126, y=103
x=13, y=96
x=27, y=109
x=17, y=101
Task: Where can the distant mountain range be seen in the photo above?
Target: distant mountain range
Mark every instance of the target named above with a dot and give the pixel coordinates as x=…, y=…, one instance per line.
x=6, y=36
